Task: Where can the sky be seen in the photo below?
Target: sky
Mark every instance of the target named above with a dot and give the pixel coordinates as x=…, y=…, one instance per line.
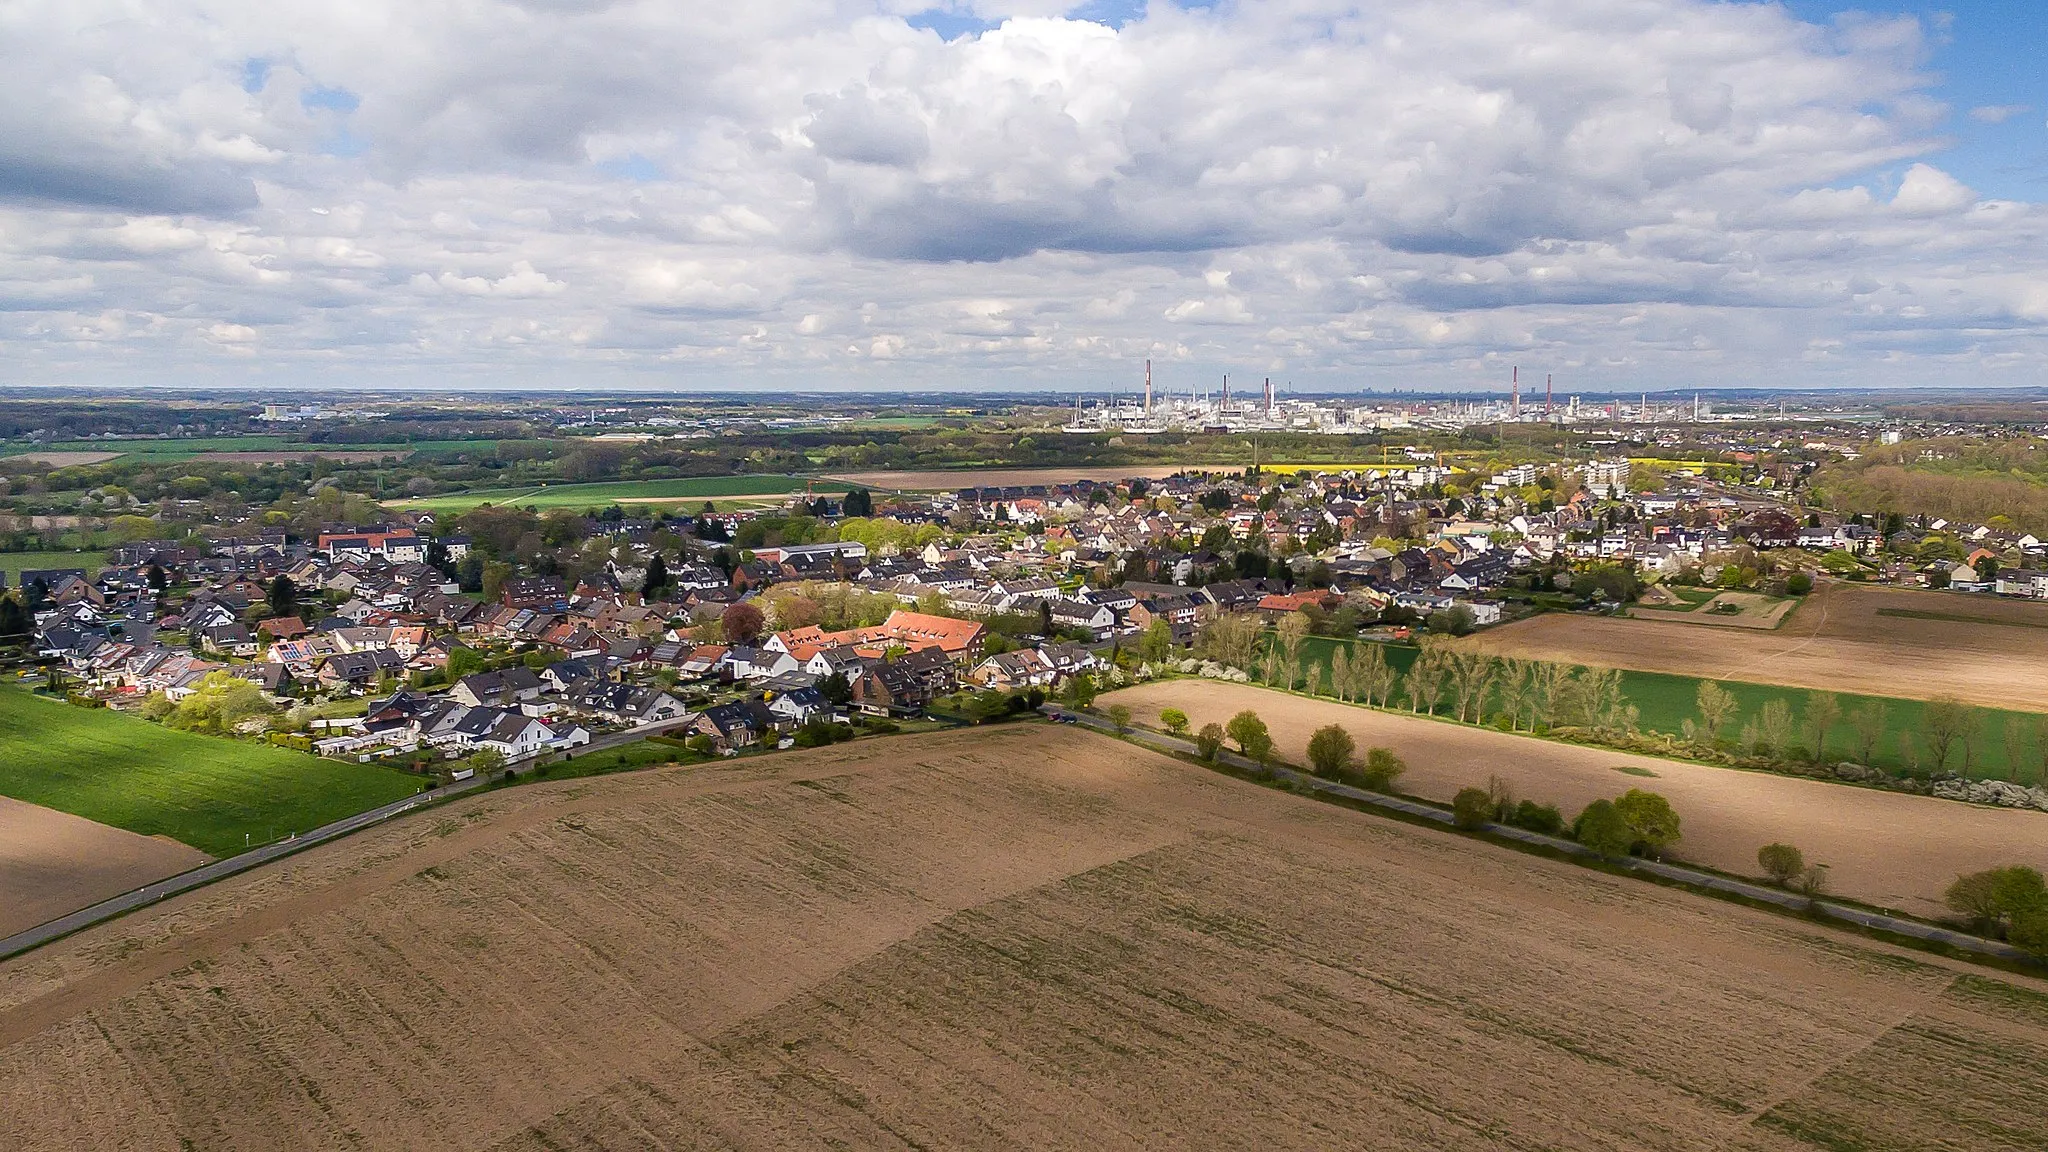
x=1023, y=194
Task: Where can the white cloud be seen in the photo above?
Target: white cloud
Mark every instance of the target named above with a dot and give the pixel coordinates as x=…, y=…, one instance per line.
x=1391, y=193
x=1997, y=113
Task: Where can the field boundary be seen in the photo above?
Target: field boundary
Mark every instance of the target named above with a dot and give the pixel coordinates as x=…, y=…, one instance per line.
x=1959, y=618
x=1912, y=933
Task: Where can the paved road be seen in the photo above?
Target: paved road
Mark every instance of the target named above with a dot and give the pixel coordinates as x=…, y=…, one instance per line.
x=1661, y=869
x=206, y=874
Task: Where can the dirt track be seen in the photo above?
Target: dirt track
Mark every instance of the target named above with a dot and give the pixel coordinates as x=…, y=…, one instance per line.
x=1019, y=937
x=1886, y=848
x=53, y=862
x=1837, y=641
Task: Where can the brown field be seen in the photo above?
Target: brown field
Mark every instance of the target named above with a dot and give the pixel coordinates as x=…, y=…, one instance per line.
x=949, y=479
x=1748, y=610
x=64, y=459
x=1984, y=649
x=991, y=939
x=53, y=862
x=1887, y=848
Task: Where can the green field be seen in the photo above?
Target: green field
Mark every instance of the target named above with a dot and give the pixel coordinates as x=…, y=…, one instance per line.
x=172, y=449
x=599, y=495
x=1664, y=702
x=13, y=563
x=207, y=792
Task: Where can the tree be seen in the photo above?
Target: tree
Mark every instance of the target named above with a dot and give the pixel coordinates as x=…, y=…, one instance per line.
x=1822, y=711
x=1770, y=734
x=1289, y=636
x=1650, y=819
x=1231, y=640
x=1471, y=808
x=1176, y=721
x=1383, y=768
x=1944, y=720
x=1374, y=674
x=1080, y=690
x=1798, y=584
x=156, y=578
x=741, y=623
x=1781, y=862
x=1157, y=642
x=464, y=661
x=1426, y=678
x=1120, y=718
x=1867, y=722
x=1209, y=741
x=15, y=622
x=1717, y=707
x=1602, y=828
x=835, y=688
x=1992, y=900
x=1813, y=881
x=486, y=761
x=1472, y=674
x=1249, y=733
x=282, y=596
x=1330, y=751
x=657, y=578
x=859, y=502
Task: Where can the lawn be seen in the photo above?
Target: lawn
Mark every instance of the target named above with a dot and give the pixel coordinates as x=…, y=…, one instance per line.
x=180, y=449
x=13, y=563
x=598, y=495
x=206, y=792
x=1664, y=702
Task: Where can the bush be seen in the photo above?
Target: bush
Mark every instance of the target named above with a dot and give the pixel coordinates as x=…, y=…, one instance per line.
x=1798, y=584
x=1209, y=741
x=1998, y=898
x=1781, y=862
x=1651, y=821
x=1176, y=721
x=1250, y=734
x=1602, y=828
x=1544, y=818
x=1471, y=808
x=1382, y=769
x=1120, y=718
x=1330, y=751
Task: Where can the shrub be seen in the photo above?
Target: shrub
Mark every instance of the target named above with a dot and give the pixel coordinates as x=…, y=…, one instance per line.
x=1209, y=741
x=1651, y=821
x=1471, y=808
x=1382, y=769
x=1251, y=735
x=1544, y=818
x=1798, y=584
x=1176, y=721
x=1330, y=751
x=1781, y=862
x=1998, y=898
x=1602, y=828
x=1120, y=718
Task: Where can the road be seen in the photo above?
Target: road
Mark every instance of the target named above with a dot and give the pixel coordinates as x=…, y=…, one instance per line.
x=1665, y=870
x=205, y=874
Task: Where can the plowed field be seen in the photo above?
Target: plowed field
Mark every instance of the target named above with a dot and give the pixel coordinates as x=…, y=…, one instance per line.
x=53, y=862
x=1847, y=638
x=1019, y=938
x=1887, y=848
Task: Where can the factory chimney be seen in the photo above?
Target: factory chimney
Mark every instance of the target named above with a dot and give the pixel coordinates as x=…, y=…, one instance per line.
x=1269, y=395
x=1546, y=396
x=1515, y=395
x=1148, y=387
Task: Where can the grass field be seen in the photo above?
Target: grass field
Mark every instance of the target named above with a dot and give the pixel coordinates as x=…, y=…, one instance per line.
x=205, y=792
x=1012, y=938
x=600, y=495
x=178, y=449
x=13, y=563
x=1666, y=700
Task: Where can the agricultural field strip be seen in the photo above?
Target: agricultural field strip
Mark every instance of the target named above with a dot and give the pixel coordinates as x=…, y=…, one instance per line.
x=1662, y=869
x=1887, y=849
x=1959, y=618
x=243, y=927
x=1144, y=957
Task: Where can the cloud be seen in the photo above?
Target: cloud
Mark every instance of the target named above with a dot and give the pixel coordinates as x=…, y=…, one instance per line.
x=827, y=191
x=1997, y=113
